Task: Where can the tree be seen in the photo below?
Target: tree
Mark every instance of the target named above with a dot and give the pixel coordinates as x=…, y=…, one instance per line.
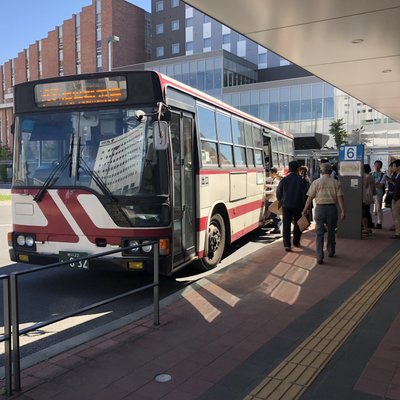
x=5, y=159
x=336, y=129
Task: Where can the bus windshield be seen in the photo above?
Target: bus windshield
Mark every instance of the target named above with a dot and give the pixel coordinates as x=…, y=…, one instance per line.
x=109, y=151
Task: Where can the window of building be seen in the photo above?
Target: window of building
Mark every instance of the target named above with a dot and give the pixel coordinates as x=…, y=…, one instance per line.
x=175, y=48
x=174, y=3
x=159, y=5
x=189, y=22
x=207, y=44
x=226, y=38
x=159, y=29
x=175, y=25
x=262, y=58
x=189, y=46
x=78, y=25
x=160, y=51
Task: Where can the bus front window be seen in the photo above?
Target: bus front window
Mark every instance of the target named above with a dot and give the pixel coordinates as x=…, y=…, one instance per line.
x=109, y=152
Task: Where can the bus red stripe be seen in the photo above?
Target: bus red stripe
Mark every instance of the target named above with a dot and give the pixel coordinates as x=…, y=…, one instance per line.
x=245, y=231
x=234, y=212
x=228, y=171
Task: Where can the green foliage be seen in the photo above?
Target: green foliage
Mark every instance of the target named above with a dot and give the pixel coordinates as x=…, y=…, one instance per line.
x=336, y=129
x=5, y=155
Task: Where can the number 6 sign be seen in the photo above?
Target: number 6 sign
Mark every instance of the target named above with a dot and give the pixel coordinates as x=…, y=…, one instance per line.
x=351, y=153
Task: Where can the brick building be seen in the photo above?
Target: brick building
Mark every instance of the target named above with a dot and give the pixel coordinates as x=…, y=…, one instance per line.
x=79, y=45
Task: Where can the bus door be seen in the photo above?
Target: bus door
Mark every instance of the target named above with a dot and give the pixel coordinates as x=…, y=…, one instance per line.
x=183, y=178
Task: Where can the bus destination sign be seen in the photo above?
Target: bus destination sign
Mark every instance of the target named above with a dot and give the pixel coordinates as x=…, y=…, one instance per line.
x=82, y=91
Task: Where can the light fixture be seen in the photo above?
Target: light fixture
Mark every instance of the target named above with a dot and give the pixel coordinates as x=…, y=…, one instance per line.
x=356, y=41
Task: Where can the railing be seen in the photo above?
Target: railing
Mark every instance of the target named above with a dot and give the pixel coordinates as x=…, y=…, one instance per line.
x=12, y=332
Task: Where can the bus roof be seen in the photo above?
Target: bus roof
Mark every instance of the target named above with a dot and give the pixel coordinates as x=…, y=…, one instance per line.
x=167, y=81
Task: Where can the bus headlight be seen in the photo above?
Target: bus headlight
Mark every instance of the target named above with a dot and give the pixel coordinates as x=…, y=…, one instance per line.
x=21, y=240
x=29, y=241
x=147, y=248
x=134, y=243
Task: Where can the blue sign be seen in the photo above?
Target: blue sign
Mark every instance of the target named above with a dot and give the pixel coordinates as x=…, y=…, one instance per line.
x=351, y=152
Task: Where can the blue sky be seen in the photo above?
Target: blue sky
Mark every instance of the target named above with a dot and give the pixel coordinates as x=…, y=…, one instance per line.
x=25, y=21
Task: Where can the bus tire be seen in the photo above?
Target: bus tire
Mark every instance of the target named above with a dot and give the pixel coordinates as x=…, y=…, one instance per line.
x=216, y=243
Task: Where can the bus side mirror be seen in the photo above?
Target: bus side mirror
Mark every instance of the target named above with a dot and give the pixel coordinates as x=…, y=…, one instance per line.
x=160, y=134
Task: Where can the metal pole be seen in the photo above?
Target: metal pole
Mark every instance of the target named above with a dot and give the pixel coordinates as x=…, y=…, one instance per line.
x=15, y=333
x=7, y=335
x=156, y=286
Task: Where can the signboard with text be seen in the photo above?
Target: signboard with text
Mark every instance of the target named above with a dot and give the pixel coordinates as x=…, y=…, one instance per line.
x=351, y=152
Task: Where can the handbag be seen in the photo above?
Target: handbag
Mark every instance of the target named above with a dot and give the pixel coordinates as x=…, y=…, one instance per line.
x=275, y=208
x=303, y=223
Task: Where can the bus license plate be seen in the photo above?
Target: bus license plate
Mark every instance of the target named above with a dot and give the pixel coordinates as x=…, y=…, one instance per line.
x=72, y=255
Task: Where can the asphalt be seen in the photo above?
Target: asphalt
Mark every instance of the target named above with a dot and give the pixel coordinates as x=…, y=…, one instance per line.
x=272, y=325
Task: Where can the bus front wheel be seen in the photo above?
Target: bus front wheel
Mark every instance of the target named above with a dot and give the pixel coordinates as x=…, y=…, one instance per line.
x=216, y=243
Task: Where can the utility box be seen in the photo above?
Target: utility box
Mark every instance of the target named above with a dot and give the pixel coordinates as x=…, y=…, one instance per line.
x=351, y=177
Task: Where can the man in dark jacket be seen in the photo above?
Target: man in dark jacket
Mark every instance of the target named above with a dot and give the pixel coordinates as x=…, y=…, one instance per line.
x=291, y=194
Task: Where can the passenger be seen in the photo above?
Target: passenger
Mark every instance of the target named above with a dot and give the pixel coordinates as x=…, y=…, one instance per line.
x=291, y=194
x=303, y=172
x=380, y=181
x=390, y=181
x=334, y=173
x=368, y=194
x=396, y=201
x=327, y=193
x=272, y=183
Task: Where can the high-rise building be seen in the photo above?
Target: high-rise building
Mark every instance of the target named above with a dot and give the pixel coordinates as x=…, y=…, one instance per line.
x=225, y=64
x=179, y=29
x=104, y=32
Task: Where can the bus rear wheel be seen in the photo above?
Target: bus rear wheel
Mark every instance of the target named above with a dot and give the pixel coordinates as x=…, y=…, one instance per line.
x=216, y=243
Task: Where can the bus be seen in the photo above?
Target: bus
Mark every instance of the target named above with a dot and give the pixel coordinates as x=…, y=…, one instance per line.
x=113, y=160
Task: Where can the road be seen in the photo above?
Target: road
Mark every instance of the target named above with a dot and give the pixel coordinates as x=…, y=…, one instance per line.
x=49, y=293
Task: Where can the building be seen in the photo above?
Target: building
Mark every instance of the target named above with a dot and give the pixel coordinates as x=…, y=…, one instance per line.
x=179, y=30
x=201, y=52
x=84, y=43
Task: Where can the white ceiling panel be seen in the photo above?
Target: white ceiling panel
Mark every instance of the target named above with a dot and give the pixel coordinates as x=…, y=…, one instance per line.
x=318, y=35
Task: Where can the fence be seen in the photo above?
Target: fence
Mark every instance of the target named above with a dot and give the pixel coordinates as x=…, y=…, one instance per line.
x=12, y=376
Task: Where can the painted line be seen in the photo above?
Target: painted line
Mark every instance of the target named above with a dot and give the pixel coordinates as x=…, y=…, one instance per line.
x=298, y=371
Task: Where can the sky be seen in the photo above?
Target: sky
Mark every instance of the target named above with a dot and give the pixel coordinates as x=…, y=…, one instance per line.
x=25, y=21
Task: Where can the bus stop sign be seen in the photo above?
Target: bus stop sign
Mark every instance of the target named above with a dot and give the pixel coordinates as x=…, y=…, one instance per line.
x=351, y=153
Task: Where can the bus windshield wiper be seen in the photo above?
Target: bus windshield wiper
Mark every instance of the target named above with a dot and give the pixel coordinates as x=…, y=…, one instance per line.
x=55, y=173
x=95, y=176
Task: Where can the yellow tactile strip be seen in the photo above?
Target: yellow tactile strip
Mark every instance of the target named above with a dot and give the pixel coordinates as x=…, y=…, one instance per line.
x=296, y=373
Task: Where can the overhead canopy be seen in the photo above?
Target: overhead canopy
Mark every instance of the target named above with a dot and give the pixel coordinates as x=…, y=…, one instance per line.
x=352, y=44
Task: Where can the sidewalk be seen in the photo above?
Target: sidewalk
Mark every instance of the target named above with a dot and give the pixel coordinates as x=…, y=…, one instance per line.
x=224, y=336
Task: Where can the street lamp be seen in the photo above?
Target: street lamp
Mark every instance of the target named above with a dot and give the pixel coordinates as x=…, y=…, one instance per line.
x=110, y=40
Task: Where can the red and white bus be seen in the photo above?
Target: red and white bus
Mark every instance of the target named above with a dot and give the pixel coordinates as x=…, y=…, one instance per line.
x=110, y=160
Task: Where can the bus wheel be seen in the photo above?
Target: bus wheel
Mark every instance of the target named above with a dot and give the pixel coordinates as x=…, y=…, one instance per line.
x=216, y=243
